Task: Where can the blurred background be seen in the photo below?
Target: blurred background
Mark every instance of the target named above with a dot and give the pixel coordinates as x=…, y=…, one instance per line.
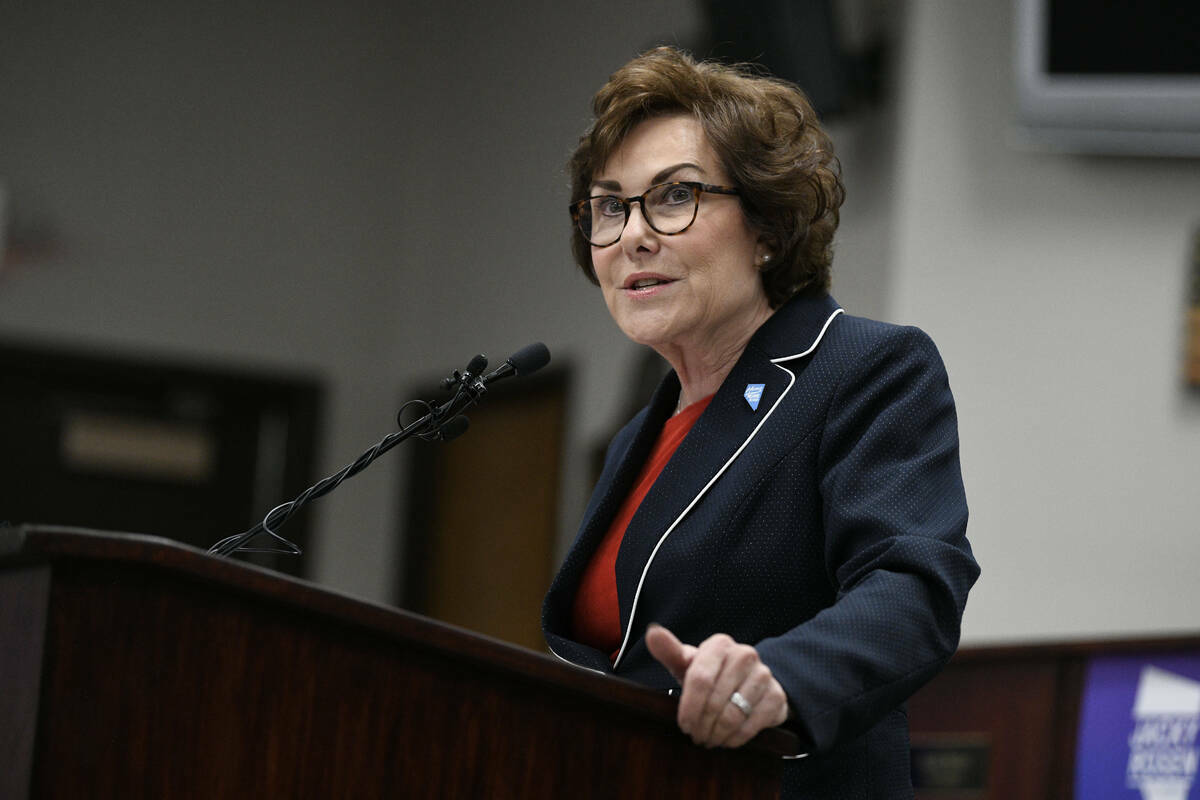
x=236, y=239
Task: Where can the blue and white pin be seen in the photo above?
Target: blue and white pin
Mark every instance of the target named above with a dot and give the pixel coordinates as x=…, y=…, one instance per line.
x=753, y=394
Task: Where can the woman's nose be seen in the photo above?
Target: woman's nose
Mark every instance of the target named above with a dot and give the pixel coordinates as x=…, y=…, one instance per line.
x=638, y=232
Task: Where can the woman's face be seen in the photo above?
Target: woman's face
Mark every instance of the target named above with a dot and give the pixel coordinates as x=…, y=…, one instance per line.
x=704, y=289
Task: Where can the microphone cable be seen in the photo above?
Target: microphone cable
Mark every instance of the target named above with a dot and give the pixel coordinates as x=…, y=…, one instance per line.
x=439, y=423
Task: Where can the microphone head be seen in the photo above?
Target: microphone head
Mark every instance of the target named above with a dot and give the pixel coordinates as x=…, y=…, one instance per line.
x=530, y=358
x=478, y=364
x=453, y=428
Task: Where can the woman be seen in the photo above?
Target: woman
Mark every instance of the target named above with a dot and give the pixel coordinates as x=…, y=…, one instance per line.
x=780, y=533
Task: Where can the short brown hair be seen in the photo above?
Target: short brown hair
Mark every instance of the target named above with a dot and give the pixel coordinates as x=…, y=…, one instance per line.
x=767, y=137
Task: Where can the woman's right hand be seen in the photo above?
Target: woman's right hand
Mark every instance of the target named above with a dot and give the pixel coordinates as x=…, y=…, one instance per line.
x=710, y=675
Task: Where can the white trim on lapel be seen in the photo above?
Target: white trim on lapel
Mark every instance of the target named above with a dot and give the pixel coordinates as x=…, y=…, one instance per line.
x=572, y=663
x=646, y=568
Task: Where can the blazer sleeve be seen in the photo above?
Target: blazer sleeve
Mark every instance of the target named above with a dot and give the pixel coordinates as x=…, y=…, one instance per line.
x=894, y=515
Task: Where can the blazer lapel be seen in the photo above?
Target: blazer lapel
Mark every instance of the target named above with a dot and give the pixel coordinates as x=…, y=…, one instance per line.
x=610, y=492
x=718, y=438
x=721, y=434
x=618, y=482
x=712, y=442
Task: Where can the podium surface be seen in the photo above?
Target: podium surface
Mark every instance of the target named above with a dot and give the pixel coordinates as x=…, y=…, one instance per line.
x=134, y=666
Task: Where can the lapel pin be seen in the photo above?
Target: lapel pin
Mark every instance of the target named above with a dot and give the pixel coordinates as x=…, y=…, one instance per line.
x=753, y=394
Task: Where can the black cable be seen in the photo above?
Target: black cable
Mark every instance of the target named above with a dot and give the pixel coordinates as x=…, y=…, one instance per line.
x=277, y=517
x=443, y=422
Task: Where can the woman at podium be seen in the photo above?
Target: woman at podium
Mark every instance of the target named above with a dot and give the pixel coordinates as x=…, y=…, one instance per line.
x=779, y=535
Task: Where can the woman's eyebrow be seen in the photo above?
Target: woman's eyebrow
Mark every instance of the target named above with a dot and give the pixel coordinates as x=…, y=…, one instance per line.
x=659, y=177
x=663, y=174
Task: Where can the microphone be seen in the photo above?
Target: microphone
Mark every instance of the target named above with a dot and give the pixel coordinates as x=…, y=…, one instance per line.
x=453, y=428
x=471, y=387
x=527, y=360
x=443, y=423
x=467, y=382
x=476, y=365
x=474, y=369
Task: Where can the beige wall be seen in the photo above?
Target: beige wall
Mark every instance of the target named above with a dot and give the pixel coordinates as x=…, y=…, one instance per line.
x=1055, y=286
x=313, y=187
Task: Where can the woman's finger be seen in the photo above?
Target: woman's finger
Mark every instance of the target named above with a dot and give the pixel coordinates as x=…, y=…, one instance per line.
x=769, y=710
x=698, y=684
x=720, y=717
x=670, y=652
x=709, y=675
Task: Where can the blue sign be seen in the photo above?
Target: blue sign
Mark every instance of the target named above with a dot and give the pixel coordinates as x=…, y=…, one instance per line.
x=754, y=394
x=1138, y=727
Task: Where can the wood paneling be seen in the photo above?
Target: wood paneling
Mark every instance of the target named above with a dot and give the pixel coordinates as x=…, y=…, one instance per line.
x=1024, y=701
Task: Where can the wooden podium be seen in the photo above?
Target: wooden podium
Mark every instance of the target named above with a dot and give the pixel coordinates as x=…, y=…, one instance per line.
x=136, y=667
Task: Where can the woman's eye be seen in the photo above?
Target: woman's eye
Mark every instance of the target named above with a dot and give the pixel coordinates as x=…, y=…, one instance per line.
x=676, y=195
x=610, y=207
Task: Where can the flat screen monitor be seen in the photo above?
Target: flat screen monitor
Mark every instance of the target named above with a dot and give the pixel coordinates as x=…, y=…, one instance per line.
x=1119, y=77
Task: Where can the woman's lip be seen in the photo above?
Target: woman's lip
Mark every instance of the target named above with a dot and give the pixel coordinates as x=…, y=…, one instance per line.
x=645, y=276
x=651, y=290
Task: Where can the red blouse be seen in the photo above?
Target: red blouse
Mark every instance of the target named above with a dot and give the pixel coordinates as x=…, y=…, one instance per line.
x=596, y=615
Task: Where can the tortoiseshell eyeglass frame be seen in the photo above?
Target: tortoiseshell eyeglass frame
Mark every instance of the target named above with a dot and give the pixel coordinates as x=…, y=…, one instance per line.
x=577, y=208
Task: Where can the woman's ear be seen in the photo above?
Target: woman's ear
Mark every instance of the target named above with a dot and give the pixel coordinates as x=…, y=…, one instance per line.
x=763, y=253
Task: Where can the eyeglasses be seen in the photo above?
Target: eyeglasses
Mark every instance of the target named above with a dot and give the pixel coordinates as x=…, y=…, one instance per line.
x=668, y=208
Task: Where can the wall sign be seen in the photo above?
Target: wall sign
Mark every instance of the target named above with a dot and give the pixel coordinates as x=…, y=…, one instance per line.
x=1138, y=728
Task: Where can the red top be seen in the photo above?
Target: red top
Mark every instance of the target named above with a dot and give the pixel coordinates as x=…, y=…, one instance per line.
x=596, y=616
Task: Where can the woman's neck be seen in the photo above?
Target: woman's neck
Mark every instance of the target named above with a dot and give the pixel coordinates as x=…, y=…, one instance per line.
x=703, y=366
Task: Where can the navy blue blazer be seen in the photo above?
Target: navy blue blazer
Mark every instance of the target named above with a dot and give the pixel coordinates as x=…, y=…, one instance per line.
x=826, y=528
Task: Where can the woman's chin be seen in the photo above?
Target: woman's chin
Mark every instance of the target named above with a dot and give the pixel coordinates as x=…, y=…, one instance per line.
x=653, y=335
